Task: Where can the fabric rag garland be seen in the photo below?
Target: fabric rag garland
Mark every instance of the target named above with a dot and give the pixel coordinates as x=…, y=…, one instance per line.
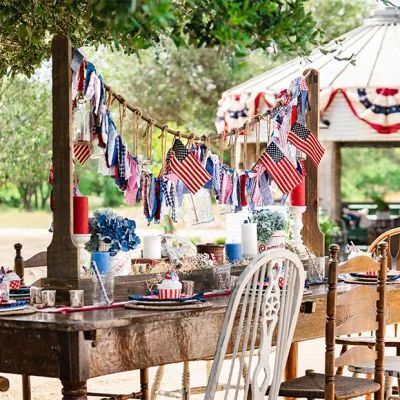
x=191, y=173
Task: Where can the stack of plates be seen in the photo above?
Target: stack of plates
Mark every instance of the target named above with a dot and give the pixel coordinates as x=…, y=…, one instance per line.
x=392, y=277
x=154, y=303
x=13, y=305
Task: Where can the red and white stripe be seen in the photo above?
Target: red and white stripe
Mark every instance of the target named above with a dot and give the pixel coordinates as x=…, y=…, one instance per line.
x=283, y=172
x=166, y=294
x=190, y=172
x=311, y=146
x=82, y=152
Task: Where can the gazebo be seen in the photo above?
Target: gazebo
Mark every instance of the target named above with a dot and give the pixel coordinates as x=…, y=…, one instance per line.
x=359, y=95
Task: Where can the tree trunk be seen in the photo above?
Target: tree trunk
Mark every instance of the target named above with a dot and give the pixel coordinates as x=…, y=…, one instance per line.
x=35, y=198
x=26, y=195
x=44, y=194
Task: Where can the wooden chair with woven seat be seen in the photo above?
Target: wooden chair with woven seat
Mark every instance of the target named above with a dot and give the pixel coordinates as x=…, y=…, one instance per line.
x=254, y=317
x=392, y=238
x=343, y=319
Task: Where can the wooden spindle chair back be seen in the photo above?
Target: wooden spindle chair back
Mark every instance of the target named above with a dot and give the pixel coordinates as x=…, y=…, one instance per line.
x=392, y=238
x=344, y=319
x=37, y=260
x=255, y=315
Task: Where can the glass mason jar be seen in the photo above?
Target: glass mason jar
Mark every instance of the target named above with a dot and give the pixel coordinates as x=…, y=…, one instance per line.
x=81, y=126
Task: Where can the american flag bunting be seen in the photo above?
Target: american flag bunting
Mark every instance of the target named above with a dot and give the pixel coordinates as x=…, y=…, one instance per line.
x=301, y=137
x=188, y=169
x=280, y=168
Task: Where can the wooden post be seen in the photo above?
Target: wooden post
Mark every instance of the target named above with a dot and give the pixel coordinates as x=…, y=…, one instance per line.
x=312, y=236
x=62, y=255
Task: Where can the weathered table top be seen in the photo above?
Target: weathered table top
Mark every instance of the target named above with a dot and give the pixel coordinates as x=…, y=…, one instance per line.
x=94, y=343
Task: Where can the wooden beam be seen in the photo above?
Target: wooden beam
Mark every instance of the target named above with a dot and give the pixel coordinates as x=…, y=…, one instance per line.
x=338, y=180
x=62, y=255
x=312, y=235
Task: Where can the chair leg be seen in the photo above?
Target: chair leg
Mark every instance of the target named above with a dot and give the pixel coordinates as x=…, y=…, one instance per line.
x=396, y=329
x=208, y=368
x=157, y=382
x=369, y=395
x=388, y=387
x=339, y=370
x=186, y=381
x=398, y=379
x=26, y=387
x=144, y=384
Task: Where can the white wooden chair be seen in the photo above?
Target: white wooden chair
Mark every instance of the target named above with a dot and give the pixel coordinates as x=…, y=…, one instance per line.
x=255, y=315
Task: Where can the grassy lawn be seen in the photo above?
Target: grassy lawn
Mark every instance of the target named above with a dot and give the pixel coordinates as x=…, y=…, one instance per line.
x=18, y=218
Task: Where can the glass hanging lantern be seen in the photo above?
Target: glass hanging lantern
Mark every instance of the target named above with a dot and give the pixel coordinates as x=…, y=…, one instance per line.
x=81, y=122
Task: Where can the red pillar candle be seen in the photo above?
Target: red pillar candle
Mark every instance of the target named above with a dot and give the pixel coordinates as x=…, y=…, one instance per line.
x=81, y=215
x=298, y=195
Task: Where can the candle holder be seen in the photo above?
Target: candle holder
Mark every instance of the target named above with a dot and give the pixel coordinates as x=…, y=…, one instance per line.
x=79, y=241
x=296, y=239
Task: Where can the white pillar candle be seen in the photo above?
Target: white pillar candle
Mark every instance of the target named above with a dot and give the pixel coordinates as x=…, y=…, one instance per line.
x=152, y=247
x=249, y=239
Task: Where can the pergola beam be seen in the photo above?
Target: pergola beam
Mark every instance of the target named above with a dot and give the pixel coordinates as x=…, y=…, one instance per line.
x=62, y=255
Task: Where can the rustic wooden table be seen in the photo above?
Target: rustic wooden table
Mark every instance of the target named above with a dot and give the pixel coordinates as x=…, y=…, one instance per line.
x=78, y=346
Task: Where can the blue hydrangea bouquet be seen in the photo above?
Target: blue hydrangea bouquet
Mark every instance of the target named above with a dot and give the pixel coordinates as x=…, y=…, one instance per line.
x=116, y=232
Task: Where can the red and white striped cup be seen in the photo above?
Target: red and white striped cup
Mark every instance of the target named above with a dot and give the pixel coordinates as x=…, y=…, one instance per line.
x=167, y=294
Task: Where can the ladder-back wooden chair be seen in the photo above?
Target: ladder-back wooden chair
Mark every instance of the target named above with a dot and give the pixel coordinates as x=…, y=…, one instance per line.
x=38, y=260
x=348, y=312
x=392, y=238
x=254, y=314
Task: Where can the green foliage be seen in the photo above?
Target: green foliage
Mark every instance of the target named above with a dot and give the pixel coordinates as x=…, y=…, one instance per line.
x=381, y=204
x=238, y=26
x=180, y=87
x=368, y=173
x=25, y=132
x=336, y=17
x=329, y=228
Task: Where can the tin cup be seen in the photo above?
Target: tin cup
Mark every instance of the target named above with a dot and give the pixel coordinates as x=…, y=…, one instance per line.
x=76, y=298
x=48, y=298
x=188, y=288
x=35, y=294
x=233, y=281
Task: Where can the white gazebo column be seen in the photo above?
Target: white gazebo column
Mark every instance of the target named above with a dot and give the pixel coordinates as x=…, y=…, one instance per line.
x=329, y=179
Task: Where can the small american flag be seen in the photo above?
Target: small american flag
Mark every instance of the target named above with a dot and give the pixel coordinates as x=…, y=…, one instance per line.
x=188, y=169
x=82, y=152
x=280, y=168
x=301, y=137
